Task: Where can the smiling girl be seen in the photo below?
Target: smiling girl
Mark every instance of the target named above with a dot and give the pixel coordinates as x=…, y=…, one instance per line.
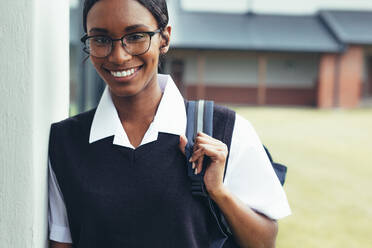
x=118, y=172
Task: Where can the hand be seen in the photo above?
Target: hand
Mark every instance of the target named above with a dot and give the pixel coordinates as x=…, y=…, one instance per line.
x=217, y=152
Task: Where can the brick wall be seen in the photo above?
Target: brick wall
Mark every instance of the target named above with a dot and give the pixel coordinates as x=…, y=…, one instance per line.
x=350, y=78
x=326, y=81
x=340, y=79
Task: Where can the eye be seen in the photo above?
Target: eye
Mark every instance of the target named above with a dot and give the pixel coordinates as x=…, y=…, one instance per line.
x=101, y=40
x=136, y=37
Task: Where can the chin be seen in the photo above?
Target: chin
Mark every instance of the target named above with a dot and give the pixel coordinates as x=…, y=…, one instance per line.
x=125, y=91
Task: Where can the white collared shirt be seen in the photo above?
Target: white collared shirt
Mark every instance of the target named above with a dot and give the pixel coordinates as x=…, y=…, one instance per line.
x=249, y=175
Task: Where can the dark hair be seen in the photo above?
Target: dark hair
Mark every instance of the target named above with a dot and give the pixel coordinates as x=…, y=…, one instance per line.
x=158, y=9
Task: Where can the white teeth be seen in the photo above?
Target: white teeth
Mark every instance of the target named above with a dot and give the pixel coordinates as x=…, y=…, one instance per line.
x=122, y=73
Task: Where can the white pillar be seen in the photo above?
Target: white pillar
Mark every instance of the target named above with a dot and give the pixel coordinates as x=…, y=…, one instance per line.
x=34, y=91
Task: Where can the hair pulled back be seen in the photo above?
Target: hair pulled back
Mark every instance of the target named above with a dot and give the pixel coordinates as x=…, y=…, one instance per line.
x=158, y=9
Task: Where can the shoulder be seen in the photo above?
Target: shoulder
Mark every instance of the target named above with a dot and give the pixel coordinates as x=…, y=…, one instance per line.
x=223, y=123
x=76, y=120
x=222, y=110
x=78, y=124
x=223, y=115
x=244, y=132
x=228, y=119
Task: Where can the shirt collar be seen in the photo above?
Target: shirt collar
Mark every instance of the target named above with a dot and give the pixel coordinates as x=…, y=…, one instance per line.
x=169, y=118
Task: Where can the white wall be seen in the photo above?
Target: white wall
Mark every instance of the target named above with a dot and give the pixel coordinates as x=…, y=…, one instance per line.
x=234, y=68
x=299, y=71
x=33, y=92
x=230, y=68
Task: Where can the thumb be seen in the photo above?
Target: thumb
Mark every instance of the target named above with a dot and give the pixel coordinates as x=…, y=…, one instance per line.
x=183, y=142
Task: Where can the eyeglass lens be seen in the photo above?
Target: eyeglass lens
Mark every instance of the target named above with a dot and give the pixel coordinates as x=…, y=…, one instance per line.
x=134, y=44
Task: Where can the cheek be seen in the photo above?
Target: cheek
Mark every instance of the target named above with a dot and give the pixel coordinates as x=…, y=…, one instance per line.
x=152, y=62
x=95, y=62
x=152, y=56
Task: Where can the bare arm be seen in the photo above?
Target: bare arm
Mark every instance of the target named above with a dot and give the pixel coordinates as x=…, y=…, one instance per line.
x=53, y=244
x=250, y=229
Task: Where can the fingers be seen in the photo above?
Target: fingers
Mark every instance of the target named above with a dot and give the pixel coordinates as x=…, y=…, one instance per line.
x=207, y=140
x=199, y=165
x=183, y=142
x=206, y=145
x=214, y=152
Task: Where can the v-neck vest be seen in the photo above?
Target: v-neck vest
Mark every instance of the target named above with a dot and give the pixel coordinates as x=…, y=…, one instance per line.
x=121, y=197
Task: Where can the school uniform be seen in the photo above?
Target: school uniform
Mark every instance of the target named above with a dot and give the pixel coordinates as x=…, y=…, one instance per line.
x=102, y=190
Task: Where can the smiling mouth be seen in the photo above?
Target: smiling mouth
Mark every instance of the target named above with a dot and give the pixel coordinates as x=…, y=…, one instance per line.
x=124, y=73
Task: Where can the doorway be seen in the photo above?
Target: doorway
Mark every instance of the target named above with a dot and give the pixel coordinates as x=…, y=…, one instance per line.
x=368, y=90
x=177, y=70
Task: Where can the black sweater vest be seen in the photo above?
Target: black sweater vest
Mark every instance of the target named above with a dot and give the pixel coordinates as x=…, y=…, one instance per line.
x=120, y=197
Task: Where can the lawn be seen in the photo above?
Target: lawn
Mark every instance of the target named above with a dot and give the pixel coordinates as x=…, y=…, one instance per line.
x=329, y=181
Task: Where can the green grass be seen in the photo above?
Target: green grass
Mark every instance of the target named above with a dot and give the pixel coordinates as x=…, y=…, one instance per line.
x=329, y=181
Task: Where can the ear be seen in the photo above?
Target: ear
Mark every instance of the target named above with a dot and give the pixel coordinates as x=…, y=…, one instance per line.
x=165, y=41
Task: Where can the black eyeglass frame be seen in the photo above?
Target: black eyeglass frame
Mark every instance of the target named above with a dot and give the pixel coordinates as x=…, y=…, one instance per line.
x=150, y=33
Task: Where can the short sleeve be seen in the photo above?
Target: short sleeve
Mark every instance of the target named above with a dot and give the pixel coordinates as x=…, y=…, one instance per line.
x=250, y=175
x=57, y=216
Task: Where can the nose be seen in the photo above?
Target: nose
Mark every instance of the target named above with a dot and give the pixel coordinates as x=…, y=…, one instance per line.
x=118, y=54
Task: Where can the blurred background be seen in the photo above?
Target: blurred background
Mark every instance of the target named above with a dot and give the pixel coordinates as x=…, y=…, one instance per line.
x=301, y=72
x=302, y=53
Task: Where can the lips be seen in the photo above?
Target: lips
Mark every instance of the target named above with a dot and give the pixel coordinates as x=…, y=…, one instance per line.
x=122, y=76
x=124, y=73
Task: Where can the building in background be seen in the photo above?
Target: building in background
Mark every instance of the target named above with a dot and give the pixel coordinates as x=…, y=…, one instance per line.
x=321, y=59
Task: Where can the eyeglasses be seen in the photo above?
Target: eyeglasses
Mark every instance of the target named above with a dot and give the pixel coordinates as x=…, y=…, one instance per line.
x=100, y=46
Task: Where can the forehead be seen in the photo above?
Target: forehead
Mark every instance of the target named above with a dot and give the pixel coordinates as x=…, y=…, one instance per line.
x=116, y=15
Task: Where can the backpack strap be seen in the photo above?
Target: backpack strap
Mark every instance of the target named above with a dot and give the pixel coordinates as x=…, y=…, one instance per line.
x=213, y=120
x=199, y=119
x=218, y=122
x=223, y=122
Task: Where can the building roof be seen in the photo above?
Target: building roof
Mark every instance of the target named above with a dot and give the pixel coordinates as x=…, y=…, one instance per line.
x=351, y=27
x=328, y=31
x=252, y=32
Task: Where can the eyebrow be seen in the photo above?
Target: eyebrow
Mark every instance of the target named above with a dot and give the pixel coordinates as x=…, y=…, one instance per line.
x=127, y=29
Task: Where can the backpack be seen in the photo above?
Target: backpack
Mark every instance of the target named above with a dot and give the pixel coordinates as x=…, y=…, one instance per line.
x=202, y=116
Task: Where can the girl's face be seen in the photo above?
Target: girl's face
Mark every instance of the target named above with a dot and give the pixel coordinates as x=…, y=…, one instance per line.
x=116, y=18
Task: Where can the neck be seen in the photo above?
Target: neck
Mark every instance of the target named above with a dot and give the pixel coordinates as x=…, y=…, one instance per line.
x=141, y=107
